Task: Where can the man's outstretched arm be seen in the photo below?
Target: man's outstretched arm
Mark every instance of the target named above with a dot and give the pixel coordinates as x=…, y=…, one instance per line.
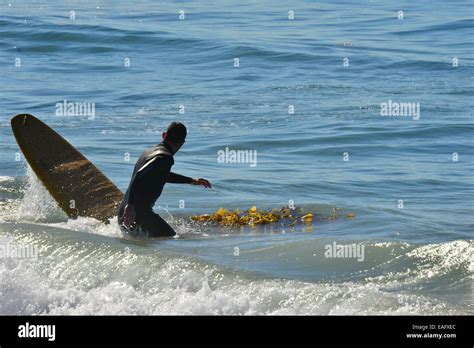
x=174, y=178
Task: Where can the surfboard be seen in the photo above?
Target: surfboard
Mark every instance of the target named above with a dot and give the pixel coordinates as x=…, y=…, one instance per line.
x=79, y=188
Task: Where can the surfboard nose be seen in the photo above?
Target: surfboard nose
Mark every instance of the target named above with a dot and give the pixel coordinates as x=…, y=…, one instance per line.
x=20, y=120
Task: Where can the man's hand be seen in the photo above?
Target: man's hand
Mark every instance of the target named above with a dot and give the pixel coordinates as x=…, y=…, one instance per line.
x=202, y=182
x=128, y=217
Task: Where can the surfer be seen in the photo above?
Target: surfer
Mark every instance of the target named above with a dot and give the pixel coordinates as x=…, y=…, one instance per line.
x=152, y=171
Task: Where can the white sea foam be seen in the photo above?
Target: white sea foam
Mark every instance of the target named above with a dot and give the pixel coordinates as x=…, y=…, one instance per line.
x=37, y=204
x=97, y=278
x=6, y=178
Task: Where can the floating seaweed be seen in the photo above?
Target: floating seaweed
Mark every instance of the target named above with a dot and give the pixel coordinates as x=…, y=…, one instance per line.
x=253, y=216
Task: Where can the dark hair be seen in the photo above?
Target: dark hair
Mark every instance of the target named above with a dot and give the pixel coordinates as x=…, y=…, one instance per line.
x=176, y=132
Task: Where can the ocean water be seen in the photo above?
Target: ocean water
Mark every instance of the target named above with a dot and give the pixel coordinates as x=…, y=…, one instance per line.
x=307, y=96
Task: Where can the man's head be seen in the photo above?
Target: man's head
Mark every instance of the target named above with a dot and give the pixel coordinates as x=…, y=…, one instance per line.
x=175, y=135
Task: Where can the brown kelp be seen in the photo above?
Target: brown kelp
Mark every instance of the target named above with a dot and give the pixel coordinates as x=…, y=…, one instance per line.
x=253, y=216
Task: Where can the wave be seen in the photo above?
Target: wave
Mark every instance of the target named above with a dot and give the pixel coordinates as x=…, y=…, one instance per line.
x=41, y=37
x=447, y=27
x=78, y=273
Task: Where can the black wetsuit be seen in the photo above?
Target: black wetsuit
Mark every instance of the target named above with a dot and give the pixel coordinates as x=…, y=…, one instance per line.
x=151, y=173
